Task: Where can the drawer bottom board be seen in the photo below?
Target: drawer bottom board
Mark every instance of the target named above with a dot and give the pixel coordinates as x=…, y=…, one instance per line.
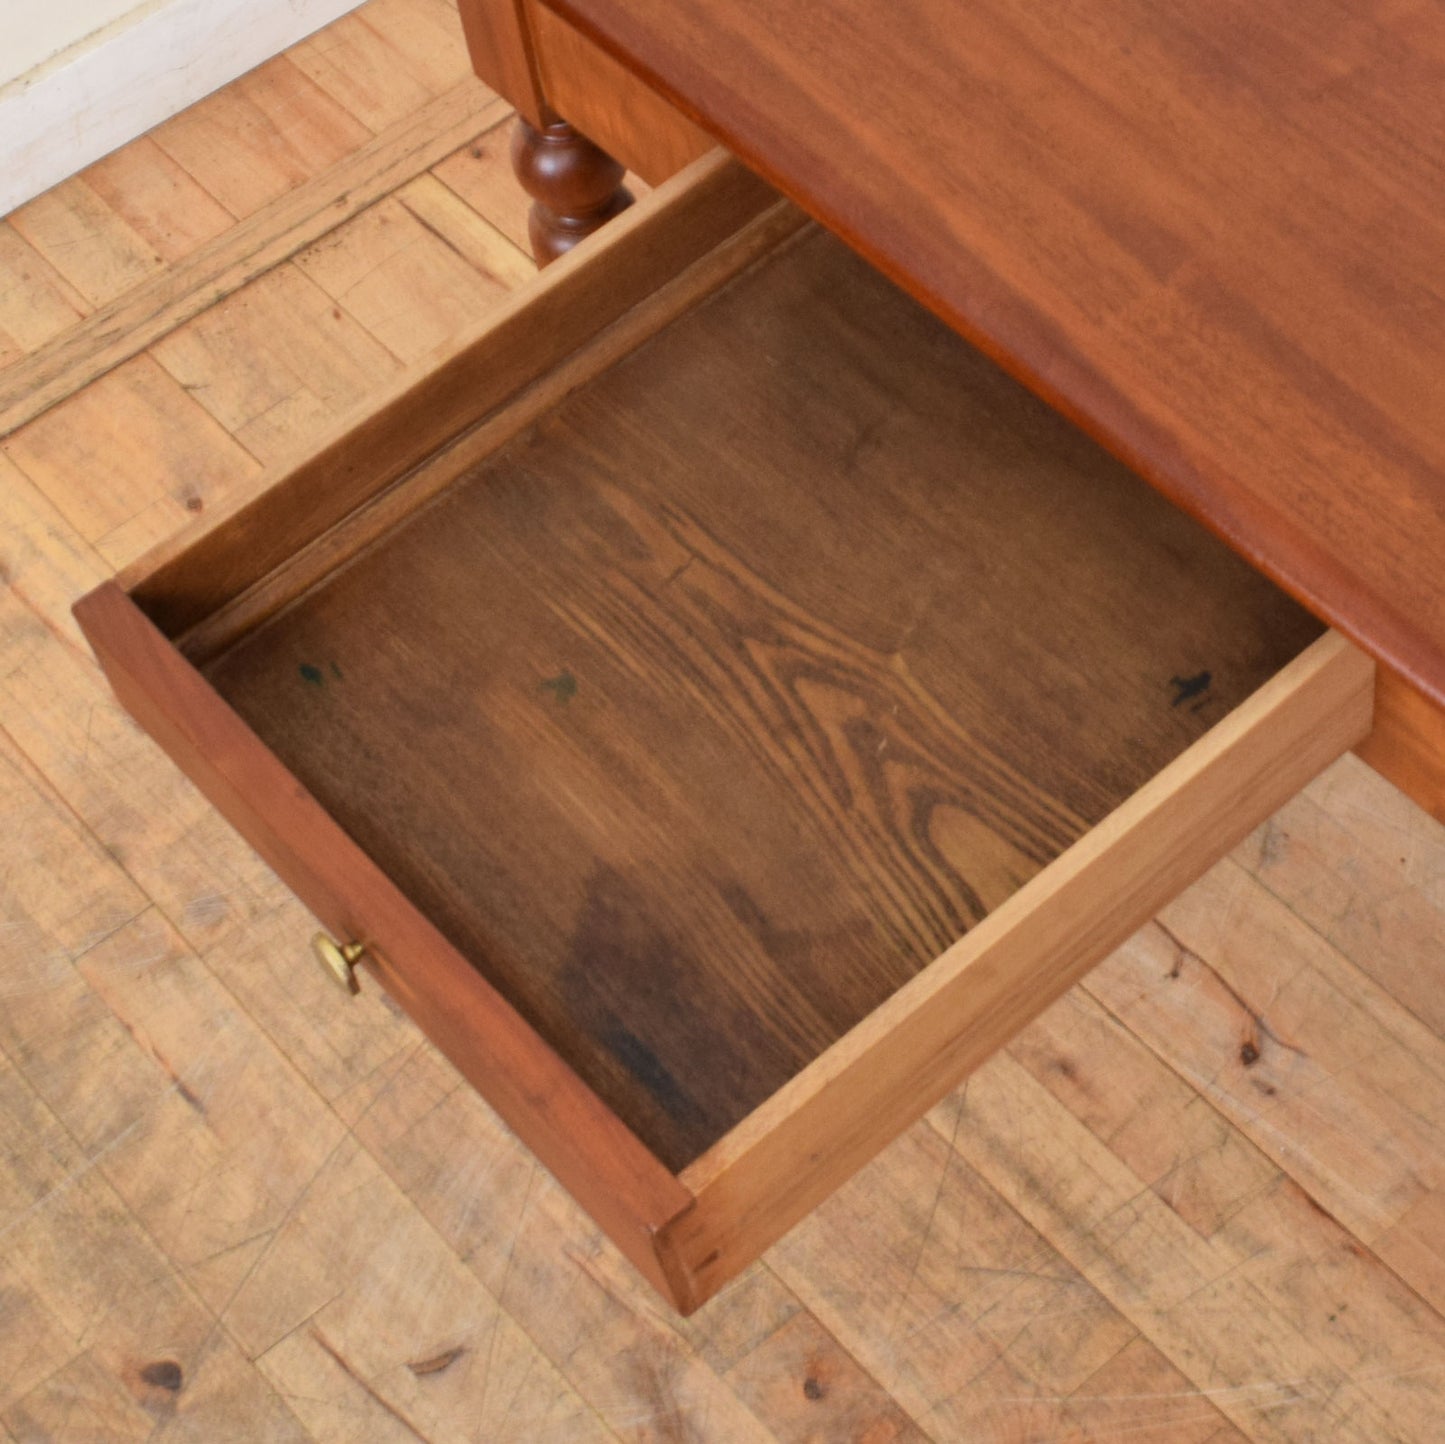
x=716, y=705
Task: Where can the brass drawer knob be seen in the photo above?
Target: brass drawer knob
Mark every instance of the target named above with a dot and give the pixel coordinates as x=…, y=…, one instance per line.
x=339, y=960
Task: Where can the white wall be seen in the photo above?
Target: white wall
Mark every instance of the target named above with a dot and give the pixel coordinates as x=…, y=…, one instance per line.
x=109, y=70
x=32, y=31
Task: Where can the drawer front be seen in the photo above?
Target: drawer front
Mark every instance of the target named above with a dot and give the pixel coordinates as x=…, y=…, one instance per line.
x=212, y=606
x=583, y=1145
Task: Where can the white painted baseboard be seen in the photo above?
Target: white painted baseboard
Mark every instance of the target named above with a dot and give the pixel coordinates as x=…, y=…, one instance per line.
x=117, y=84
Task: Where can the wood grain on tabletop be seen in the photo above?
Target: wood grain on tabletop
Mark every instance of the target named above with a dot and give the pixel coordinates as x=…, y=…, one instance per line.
x=1114, y=1232
x=1215, y=233
x=657, y=634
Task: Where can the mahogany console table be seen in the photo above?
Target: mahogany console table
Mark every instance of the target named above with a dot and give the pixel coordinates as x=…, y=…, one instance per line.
x=753, y=673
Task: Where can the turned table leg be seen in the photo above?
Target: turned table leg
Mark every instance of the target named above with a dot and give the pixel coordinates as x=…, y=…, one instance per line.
x=575, y=187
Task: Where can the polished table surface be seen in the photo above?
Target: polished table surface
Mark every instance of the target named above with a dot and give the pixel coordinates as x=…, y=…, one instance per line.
x=1214, y=234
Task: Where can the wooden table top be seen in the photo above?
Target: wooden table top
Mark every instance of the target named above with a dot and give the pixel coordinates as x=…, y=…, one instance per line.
x=1212, y=234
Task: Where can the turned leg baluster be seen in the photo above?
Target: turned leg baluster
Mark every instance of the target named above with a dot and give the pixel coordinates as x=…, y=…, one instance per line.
x=575, y=186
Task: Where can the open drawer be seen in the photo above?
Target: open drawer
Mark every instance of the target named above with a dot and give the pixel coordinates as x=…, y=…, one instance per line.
x=725, y=707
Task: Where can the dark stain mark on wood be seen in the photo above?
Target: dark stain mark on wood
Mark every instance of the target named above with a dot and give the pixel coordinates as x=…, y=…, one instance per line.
x=437, y=1362
x=563, y=686
x=1188, y=688
x=183, y=1089
x=1274, y=844
x=1249, y=1051
x=630, y=981
x=1182, y=953
x=643, y=1064
x=311, y=674
x=365, y=1385
x=164, y=1374
x=813, y=1387
x=194, y=503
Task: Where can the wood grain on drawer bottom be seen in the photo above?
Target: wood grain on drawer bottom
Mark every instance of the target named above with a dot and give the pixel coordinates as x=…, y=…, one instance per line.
x=719, y=702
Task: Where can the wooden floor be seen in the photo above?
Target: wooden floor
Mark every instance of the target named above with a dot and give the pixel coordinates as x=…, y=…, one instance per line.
x=1202, y=1199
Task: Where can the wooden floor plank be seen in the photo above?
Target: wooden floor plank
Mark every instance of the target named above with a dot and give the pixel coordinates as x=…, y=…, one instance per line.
x=480, y=173
x=1191, y=1156
x=83, y=1269
x=130, y=458
x=424, y=34
x=97, y=251
x=401, y=280
x=82, y=1400
x=275, y=361
x=43, y=558
x=36, y=302
x=968, y=1316
x=161, y=202
x=117, y=332
x=356, y=67
x=56, y=708
x=1140, y=1396
x=213, y=1159
x=53, y=1027
x=1365, y=868
x=543, y=1259
x=261, y=136
x=1312, y=1061
x=34, y=1341
x=1226, y=1333
x=475, y=239
x=838, y=1399
x=356, y=1294
x=1267, y=1230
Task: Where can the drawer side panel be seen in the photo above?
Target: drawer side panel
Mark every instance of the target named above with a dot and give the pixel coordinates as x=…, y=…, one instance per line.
x=430, y=405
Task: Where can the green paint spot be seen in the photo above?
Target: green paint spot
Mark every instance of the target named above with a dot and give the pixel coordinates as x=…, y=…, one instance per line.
x=311, y=674
x=564, y=685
